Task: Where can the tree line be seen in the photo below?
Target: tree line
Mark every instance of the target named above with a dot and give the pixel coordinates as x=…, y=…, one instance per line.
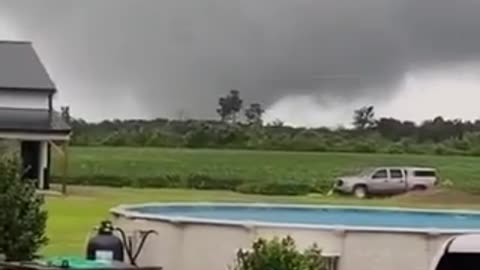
x=248, y=131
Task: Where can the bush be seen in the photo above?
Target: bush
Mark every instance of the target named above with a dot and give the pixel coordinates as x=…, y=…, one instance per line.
x=163, y=139
x=166, y=181
x=274, y=188
x=475, y=151
x=200, y=181
x=322, y=187
x=447, y=183
x=442, y=149
x=22, y=219
x=98, y=180
x=279, y=255
x=395, y=148
x=364, y=147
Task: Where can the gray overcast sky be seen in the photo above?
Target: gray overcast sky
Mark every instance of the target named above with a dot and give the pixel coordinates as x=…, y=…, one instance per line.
x=311, y=62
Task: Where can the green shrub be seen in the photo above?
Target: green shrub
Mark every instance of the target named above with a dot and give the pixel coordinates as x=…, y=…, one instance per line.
x=163, y=139
x=22, y=217
x=199, y=136
x=279, y=254
x=364, y=147
x=165, y=181
x=475, y=151
x=395, y=148
x=194, y=181
x=201, y=181
x=98, y=180
x=442, y=149
x=447, y=183
x=322, y=187
x=274, y=188
x=197, y=181
x=462, y=145
x=419, y=149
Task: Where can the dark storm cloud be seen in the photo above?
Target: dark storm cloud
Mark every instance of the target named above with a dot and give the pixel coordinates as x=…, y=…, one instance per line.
x=182, y=54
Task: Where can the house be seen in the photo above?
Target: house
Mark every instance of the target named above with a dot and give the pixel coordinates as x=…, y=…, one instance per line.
x=26, y=109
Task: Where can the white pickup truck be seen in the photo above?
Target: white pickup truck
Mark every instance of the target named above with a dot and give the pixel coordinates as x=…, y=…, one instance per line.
x=387, y=181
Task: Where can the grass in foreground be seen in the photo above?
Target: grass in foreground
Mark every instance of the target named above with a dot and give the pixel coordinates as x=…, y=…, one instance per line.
x=71, y=218
x=307, y=167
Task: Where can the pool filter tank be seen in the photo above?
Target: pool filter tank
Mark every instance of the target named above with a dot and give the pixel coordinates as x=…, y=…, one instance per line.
x=105, y=245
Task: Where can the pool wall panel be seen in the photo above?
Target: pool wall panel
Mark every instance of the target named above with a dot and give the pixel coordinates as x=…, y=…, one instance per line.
x=384, y=251
x=207, y=247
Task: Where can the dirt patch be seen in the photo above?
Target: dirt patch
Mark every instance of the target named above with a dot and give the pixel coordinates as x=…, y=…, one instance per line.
x=448, y=198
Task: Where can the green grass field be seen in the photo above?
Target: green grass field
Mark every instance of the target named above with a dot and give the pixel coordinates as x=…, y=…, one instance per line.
x=257, y=165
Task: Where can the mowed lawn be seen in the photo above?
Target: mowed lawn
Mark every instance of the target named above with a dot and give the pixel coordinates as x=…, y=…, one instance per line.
x=464, y=172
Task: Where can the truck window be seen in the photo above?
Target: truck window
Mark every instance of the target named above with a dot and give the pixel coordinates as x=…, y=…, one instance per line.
x=380, y=174
x=394, y=173
x=424, y=173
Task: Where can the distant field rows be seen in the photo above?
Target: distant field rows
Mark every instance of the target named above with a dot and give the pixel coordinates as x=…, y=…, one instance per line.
x=464, y=172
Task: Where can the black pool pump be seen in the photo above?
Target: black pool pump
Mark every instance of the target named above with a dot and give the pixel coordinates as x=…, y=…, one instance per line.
x=107, y=246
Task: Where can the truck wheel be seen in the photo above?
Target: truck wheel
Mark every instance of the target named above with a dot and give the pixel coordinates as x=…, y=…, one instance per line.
x=360, y=192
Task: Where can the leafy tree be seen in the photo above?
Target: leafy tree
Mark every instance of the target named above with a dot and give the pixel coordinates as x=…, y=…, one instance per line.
x=277, y=123
x=199, y=136
x=22, y=218
x=236, y=104
x=438, y=129
x=456, y=136
x=230, y=106
x=224, y=109
x=254, y=113
x=364, y=118
x=459, y=128
x=65, y=113
x=394, y=129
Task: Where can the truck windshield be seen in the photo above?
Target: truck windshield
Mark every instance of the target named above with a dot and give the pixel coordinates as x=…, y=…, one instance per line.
x=366, y=172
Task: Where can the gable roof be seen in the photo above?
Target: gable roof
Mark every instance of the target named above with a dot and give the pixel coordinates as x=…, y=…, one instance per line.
x=21, y=68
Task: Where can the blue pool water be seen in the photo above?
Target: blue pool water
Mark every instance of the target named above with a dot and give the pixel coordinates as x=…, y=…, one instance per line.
x=320, y=216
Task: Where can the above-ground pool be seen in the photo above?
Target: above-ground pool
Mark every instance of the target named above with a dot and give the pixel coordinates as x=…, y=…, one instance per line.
x=324, y=216
x=206, y=236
